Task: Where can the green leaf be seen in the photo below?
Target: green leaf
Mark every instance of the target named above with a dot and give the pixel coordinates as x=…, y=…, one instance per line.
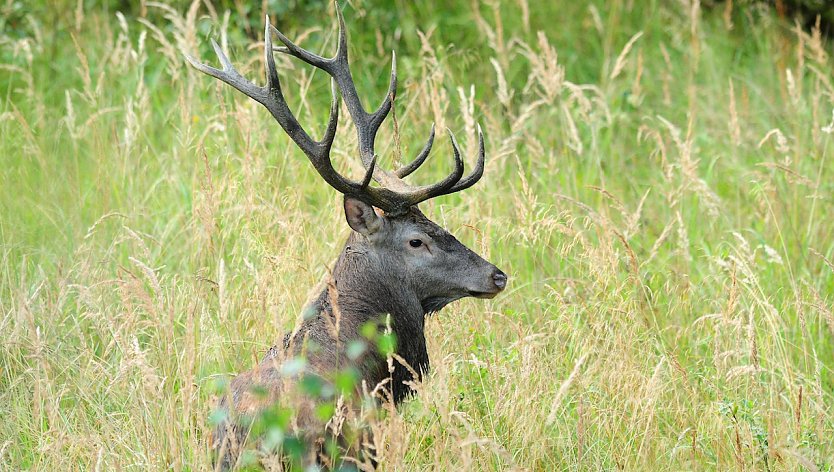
x=324, y=411
x=387, y=344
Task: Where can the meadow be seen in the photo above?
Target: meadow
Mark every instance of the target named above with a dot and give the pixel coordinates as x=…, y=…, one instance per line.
x=658, y=186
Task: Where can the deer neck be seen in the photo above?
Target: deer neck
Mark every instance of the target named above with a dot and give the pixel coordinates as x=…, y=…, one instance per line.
x=365, y=294
x=365, y=290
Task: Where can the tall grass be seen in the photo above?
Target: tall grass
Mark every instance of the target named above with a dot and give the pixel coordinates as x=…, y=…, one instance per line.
x=658, y=186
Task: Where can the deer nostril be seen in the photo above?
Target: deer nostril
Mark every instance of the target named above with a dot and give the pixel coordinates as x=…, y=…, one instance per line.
x=500, y=279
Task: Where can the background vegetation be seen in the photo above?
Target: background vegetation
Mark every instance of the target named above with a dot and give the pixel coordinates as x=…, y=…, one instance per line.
x=659, y=187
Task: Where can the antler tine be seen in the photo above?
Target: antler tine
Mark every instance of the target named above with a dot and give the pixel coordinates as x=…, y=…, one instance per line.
x=292, y=49
x=330, y=132
x=476, y=173
x=406, y=170
x=457, y=183
x=385, y=107
x=443, y=187
x=342, y=49
x=321, y=161
x=270, y=96
x=272, y=81
x=369, y=173
x=228, y=75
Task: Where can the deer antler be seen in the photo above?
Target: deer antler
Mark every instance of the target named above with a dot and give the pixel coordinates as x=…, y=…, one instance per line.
x=394, y=196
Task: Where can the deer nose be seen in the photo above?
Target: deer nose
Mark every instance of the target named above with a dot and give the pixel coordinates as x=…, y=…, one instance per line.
x=500, y=279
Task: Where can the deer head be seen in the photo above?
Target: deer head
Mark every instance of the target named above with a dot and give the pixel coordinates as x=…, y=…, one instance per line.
x=399, y=247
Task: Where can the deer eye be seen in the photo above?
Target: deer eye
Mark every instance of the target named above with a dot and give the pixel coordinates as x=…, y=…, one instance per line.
x=415, y=243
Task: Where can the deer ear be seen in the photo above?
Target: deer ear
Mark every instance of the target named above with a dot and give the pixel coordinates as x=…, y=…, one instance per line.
x=361, y=217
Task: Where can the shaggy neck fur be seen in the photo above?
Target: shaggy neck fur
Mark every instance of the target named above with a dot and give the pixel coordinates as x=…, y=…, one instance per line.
x=366, y=294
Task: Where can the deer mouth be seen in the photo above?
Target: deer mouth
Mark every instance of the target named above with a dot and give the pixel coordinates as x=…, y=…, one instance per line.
x=476, y=294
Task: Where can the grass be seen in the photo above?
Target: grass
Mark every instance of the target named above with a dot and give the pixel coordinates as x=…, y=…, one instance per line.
x=658, y=186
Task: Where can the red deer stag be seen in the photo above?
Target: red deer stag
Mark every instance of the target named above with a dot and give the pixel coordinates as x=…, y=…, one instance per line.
x=397, y=265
